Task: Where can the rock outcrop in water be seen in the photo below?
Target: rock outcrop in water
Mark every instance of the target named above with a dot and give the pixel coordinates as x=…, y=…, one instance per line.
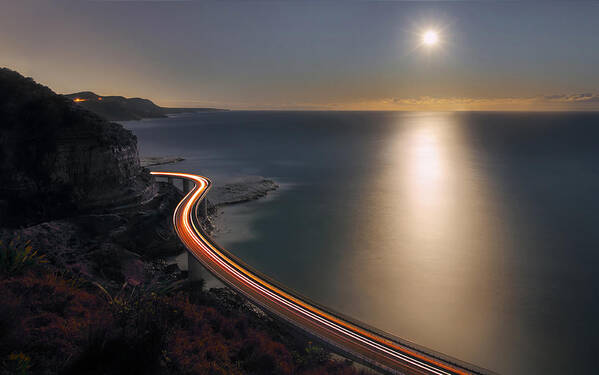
x=241, y=189
x=57, y=158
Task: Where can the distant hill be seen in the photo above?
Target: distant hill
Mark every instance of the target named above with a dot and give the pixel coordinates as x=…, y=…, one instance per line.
x=119, y=108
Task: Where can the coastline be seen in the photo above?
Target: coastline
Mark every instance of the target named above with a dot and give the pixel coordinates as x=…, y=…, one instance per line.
x=153, y=161
x=241, y=190
x=236, y=192
x=82, y=271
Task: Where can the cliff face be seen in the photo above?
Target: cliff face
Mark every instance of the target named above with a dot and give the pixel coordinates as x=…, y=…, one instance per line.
x=57, y=158
x=117, y=108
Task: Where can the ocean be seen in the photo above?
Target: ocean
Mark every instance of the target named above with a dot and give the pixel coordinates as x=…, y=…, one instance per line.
x=473, y=234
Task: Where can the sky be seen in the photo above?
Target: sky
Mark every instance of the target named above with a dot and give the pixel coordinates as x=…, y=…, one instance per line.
x=339, y=55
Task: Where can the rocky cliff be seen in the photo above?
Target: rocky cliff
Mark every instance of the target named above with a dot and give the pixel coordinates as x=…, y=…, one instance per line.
x=57, y=158
x=119, y=108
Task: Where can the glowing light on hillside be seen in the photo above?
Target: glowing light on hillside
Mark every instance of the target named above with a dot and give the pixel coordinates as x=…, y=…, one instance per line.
x=79, y=100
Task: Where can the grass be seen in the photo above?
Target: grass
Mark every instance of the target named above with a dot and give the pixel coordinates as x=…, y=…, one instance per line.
x=17, y=364
x=17, y=255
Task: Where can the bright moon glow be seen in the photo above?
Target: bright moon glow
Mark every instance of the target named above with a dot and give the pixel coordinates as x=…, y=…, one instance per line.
x=430, y=38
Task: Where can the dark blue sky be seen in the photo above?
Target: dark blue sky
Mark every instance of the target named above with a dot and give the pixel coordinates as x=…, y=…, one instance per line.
x=313, y=54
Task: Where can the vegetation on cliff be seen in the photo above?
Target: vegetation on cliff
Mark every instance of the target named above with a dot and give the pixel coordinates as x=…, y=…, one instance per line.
x=119, y=108
x=52, y=321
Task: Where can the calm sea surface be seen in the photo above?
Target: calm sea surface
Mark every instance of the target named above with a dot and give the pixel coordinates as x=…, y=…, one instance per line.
x=473, y=234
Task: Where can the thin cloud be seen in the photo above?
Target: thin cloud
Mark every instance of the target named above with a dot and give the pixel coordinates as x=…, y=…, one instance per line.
x=575, y=98
x=578, y=101
x=552, y=102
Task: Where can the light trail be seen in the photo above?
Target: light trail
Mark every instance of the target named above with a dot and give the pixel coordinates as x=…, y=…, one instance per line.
x=345, y=334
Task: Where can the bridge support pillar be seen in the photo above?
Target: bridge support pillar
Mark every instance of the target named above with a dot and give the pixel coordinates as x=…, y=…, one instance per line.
x=196, y=271
x=203, y=209
x=186, y=186
x=169, y=179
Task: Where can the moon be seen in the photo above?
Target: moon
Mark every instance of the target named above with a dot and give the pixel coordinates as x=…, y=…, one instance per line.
x=430, y=38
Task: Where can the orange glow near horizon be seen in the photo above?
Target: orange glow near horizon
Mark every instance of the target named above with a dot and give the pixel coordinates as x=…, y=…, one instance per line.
x=79, y=100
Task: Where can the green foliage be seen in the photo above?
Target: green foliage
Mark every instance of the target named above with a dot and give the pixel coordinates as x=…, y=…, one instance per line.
x=17, y=255
x=17, y=364
x=316, y=355
x=133, y=300
x=312, y=356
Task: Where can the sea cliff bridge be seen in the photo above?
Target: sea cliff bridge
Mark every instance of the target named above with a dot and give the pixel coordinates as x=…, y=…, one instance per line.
x=356, y=340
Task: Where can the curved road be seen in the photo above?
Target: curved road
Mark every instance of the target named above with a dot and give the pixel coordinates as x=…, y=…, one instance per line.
x=356, y=339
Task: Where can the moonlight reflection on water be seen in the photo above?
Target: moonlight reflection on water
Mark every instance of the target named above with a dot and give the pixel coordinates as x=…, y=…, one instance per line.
x=473, y=234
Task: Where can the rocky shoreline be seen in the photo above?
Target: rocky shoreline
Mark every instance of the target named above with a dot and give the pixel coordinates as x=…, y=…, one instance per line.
x=240, y=190
x=125, y=245
x=152, y=161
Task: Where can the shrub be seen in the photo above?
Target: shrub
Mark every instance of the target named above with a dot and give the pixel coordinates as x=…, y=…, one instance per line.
x=16, y=364
x=45, y=317
x=17, y=255
x=58, y=322
x=134, y=342
x=316, y=355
